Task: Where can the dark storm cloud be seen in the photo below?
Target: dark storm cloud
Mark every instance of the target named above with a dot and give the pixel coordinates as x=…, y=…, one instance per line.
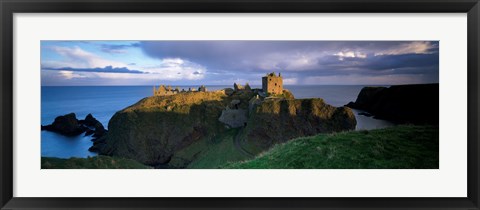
x=414, y=63
x=106, y=69
x=386, y=62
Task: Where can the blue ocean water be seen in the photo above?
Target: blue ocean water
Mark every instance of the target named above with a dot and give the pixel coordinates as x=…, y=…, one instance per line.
x=103, y=101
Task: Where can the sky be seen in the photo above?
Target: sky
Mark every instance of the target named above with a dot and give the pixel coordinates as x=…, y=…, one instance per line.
x=103, y=63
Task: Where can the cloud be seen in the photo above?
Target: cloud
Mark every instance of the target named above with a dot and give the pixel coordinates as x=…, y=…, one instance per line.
x=358, y=79
x=106, y=69
x=70, y=75
x=374, y=64
x=117, y=48
x=419, y=47
x=178, y=69
x=75, y=57
x=263, y=56
x=350, y=54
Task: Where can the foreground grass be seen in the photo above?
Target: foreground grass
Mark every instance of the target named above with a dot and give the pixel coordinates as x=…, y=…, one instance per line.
x=219, y=154
x=98, y=162
x=209, y=154
x=399, y=147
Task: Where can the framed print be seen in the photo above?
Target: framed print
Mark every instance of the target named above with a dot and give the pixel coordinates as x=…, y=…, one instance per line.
x=239, y=105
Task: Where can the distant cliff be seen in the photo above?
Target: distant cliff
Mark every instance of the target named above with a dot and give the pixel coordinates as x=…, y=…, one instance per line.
x=160, y=130
x=417, y=104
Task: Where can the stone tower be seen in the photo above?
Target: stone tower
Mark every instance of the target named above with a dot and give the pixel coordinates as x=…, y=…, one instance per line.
x=272, y=84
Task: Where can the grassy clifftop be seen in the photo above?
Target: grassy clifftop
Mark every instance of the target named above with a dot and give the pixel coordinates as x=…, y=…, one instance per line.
x=400, y=147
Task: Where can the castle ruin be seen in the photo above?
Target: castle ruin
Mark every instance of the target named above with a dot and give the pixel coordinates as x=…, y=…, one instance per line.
x=166, y=91
x=272, y=84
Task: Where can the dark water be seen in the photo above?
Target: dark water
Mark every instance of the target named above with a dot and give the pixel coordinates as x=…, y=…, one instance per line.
x=102, y=102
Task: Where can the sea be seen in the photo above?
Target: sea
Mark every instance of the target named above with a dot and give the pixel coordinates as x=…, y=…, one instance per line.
x=103, y=101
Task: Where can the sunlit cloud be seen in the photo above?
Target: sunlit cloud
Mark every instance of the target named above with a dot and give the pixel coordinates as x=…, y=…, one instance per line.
x=350, y=54
x=409, y=48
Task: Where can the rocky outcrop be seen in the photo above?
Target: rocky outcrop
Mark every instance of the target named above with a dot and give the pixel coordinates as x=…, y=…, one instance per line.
x=254, y=102
x=238, y=87
x=417, y=104
x=69, y=125
x=228, y=91
x=95, y=127
x=154, y=129
x=234, y=118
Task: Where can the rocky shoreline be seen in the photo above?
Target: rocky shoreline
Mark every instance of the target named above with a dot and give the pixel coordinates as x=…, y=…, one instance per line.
x=69, y=125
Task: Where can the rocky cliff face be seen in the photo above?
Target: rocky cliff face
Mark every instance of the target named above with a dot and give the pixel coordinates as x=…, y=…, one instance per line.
x=154, y=129
x=276, y=121
x=417, y=104
x=151, y=130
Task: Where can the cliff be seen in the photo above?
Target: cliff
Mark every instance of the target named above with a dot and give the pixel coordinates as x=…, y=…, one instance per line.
x=153, y=129
x=417, y=104
x=276, y=121
x=179, y=130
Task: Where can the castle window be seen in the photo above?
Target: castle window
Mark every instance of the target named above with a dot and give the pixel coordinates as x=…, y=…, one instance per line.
x=275, y=84
x=270, y=79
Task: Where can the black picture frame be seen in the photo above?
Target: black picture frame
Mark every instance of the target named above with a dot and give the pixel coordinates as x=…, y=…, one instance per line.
x=10, y=7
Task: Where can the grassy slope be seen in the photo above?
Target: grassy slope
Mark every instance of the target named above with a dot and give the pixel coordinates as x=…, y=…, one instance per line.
x=391, y=148
x=209, y=153
x=98, y=162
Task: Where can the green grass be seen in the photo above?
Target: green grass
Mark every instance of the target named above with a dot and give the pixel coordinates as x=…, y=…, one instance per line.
x=185, y=156
x=98, y=162
x=399, y=147
x=220, y=153
x=209, y=153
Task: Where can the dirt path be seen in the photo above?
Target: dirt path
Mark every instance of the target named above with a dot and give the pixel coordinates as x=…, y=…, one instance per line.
x=236, y=142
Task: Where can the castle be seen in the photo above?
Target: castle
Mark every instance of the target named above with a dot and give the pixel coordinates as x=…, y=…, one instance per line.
x=166, y=91
x=272, y=84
